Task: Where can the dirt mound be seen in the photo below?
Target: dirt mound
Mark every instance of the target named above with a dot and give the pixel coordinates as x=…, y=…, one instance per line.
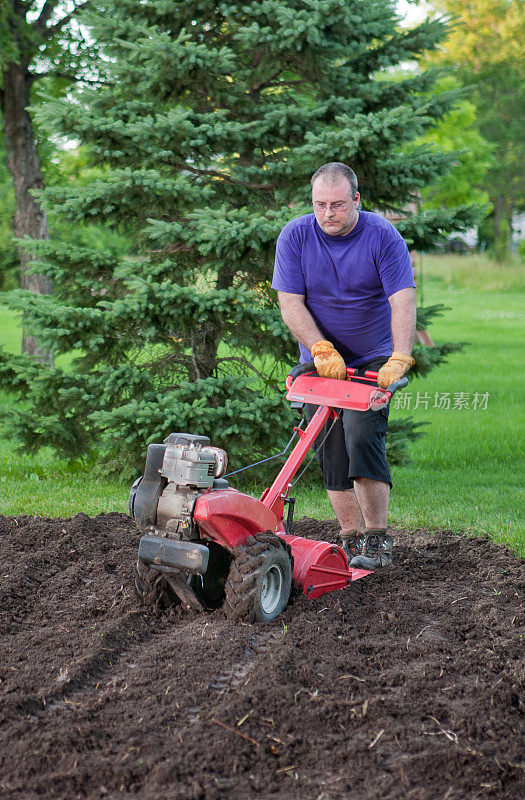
x=408, y=684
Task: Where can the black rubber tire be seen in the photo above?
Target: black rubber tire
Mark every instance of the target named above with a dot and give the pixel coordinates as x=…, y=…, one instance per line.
x=262, y=554
x=153, y=588
x=209, y=587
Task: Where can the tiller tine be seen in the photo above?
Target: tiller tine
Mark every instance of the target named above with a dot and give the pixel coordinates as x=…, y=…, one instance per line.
x=320, y=567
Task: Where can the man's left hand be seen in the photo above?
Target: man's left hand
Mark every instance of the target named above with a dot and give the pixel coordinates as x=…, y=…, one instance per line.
x=394, y=369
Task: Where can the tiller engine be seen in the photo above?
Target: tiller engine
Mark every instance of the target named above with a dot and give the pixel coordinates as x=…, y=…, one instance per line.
x=208, y=545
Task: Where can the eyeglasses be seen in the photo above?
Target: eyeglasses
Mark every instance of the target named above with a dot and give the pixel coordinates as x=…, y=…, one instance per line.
x=322, y=207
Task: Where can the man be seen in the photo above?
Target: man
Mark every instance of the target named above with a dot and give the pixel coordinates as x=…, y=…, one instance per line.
x=346, y=291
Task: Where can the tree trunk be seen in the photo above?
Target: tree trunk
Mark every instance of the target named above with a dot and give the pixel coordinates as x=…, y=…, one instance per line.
x=207, y=336
x=24, y=166
x=205, y=343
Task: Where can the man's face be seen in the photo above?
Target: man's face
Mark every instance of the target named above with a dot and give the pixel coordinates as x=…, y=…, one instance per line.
x=334, y=206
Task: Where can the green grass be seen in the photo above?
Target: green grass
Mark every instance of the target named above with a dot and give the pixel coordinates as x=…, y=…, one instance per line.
x=474, y=272
x=41, y=485
x=10, y=330
x=466, y=471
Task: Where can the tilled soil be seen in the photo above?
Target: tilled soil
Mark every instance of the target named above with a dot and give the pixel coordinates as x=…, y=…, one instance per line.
x=408, y=684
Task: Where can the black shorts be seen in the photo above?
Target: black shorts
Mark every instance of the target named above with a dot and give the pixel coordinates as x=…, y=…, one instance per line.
x=355, y=446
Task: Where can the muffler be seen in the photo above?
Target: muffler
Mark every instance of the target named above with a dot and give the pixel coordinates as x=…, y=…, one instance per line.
x=168, y=554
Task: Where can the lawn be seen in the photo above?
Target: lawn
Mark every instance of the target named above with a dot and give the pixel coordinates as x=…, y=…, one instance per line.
x=466, y=470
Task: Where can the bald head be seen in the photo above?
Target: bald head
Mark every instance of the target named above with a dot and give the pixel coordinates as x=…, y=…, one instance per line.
x=335, y=172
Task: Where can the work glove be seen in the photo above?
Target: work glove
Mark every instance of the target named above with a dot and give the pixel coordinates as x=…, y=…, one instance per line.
x=328, y=362
x=394, y=369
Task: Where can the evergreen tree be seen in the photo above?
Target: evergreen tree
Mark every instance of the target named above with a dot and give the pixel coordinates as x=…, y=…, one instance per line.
x=211, y=119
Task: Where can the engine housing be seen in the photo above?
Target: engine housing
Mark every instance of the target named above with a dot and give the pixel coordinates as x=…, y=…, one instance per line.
x=176, y=473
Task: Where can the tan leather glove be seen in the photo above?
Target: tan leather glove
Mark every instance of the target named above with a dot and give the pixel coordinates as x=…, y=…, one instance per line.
x=394, y=369
x=328, y=362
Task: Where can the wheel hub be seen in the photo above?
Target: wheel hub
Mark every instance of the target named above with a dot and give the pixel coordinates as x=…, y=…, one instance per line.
x=272, y=588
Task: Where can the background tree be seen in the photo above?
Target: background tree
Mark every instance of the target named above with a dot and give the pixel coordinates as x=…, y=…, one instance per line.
x=209, y=124
x=37, y=39
x=486, y=45
x=458, y=133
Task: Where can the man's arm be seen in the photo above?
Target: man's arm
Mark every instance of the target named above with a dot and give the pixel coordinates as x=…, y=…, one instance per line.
x=328, y=362
x=403, y=306
x=298, y=319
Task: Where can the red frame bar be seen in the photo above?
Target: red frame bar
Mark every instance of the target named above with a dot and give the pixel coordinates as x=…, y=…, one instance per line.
x=274, y=497
x=369, y=376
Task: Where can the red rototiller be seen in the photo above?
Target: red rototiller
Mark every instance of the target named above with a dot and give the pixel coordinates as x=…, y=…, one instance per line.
x=208, y=545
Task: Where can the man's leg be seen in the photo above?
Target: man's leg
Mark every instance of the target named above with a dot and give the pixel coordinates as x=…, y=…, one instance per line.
x=348, y=513
x=378, y=545
x=347, y=510
x=333, y=459
x=365, y=440
x=372, y=501
x=362, y=433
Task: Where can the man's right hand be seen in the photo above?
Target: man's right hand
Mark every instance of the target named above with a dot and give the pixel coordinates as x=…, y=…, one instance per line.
x=328, y=362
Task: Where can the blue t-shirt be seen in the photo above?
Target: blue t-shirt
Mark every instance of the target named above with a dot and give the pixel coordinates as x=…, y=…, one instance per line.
x=346, y=281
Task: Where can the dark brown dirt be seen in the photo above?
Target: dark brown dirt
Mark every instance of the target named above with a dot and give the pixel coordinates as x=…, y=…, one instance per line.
x=408, y=684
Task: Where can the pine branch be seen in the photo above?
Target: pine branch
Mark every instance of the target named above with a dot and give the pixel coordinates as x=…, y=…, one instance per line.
x=268, y=81
x=245, y=363
x=261, y=187
x=35, y=76
x=45, y=15
x=50, y=32
x=280, y=84
x=258, y=57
